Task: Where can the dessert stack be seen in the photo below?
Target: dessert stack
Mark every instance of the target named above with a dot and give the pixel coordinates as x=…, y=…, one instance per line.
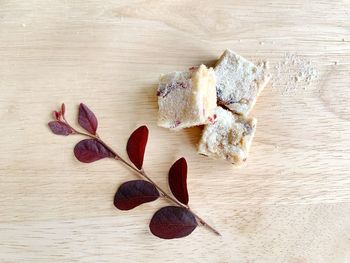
x=220, y=99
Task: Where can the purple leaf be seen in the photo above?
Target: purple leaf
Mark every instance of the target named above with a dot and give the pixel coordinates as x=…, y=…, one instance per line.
x=134, y=193
x=91, y=150
x=87, y=119
x=63, y=109
x=178, y=180
x=60, y=128
x=56, y=115
x=136, y=146
x=172, y=222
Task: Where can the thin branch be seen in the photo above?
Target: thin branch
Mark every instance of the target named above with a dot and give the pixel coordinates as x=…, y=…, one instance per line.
x=141, y=173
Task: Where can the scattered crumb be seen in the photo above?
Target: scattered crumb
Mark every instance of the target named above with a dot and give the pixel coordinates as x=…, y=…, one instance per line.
x=293, y=73
x=336, y=63
x=261, y=43
x=266, y=65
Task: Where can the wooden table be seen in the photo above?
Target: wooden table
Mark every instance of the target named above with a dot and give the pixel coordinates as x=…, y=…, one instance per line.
x=290, y=203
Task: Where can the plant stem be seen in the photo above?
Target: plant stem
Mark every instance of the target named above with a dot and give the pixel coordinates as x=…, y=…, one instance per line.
x=144, y=176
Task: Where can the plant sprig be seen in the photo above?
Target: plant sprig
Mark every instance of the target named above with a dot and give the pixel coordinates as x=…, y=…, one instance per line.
x=169, y=222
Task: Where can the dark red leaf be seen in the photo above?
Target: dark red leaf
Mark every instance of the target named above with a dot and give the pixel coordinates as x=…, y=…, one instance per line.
x=56, y=115
x=178, y=180
x=90, y=150
x=135, y=193
x=60, y=128
x=172, y=222
x=63, y=109
x=87, y=119
x=136, y=146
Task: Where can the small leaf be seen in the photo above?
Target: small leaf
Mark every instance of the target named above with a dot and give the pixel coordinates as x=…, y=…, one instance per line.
x=91, y=150
x=172, y=222
x=60, y=128
x=63, y=109
x=136, y=146
x=87, y=119
x=56, y=115
x=178, y=180
x=135, y=193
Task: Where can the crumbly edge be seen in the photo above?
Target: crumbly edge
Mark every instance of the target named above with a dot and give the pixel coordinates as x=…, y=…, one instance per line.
x=243, y=150
x=261, y=83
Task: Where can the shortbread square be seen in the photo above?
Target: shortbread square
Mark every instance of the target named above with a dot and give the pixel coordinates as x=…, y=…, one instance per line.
x=186, y=99
x=238, y=82
x=229, y=137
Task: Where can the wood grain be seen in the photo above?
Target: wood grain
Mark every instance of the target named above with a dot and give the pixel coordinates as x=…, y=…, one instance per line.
x=290, y=203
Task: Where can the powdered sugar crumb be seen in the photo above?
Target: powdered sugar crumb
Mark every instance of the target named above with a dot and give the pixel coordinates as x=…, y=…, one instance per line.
x=293, y=73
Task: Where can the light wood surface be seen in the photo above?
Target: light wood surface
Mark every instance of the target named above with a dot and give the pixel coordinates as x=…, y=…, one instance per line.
x=290, y=203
